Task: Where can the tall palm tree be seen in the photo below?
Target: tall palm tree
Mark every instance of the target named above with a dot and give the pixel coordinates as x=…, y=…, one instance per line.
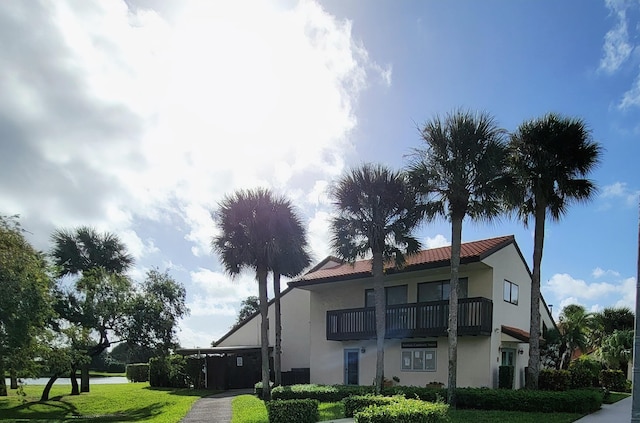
x=459, y=173
x=292, y=259
x=550, y=158
x=85, y=252
x=376, y=215
x=254, y=234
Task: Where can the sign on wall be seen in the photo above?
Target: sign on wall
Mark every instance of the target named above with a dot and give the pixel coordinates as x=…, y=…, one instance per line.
x=420, y=344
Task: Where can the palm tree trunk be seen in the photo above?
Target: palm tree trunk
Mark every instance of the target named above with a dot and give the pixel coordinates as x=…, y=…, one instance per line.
x=378, y=290
x=456, y=242
x=264, y=332
x=277, y=361
x=534, y=331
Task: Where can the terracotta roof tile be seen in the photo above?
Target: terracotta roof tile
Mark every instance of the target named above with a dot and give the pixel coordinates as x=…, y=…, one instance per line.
x=519, y=334
x=470, y=251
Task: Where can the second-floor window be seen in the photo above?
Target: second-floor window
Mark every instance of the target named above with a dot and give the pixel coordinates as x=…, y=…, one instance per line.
x=510, y=292
x=394, y=295
x=440, y=290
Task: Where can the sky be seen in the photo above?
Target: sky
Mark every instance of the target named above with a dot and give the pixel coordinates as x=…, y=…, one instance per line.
x=137, y=117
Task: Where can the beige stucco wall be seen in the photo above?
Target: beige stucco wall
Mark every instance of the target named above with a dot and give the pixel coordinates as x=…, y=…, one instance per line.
x=327, y=357
x=295, y=330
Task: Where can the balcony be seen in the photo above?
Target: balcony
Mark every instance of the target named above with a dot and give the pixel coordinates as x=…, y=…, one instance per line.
x=417, y=320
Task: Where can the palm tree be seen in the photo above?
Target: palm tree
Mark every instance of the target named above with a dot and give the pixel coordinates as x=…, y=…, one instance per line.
x=255, y=233
x=376, y=214
x=575, y=325
x=459, y=173
x=550, y=158
x=85, y=252
x=292, y=259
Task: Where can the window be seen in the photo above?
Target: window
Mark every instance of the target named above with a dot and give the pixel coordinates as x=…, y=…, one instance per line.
x=418, y=360
x=510, y=292
x=437, y=291
x=394, y=295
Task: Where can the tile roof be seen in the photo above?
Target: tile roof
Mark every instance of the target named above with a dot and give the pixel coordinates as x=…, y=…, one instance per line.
x=519, y=334
x=431, y=258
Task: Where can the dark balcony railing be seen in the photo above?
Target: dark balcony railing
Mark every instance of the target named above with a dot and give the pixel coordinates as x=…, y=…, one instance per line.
x=412, y=320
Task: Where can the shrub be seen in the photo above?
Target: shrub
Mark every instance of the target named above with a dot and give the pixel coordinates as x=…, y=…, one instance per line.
x=138, y=372
x=322, y=393
x=554, y=380
x=405, y=411
x=293, y=411
x=505, y=377
x=574, y=401
x=584, y=372
x=356, y=403
x=417, y=392
x=168, y=372
x=613, y=380
x=116, y=367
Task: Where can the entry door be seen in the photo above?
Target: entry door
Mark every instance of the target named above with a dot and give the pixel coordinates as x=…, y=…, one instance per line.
x=351, y=366
x=508, y=357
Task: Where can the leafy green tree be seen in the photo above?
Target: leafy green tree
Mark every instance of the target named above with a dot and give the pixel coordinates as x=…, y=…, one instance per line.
x=98, y=260
x=550, y=158
x=253, y=235
x=609, y=320
x=104, y=305
x=248, y=306
x=376, y=215
x=25, y=302
x=459, y=173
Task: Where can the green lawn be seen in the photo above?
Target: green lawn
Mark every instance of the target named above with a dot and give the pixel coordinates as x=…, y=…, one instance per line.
x=105, y=403
x=249, y=409
x=616, y=396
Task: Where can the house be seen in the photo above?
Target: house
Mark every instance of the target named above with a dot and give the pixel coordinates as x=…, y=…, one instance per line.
x=329, y=325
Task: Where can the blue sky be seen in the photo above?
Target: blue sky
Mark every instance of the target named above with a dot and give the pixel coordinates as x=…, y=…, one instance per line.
x=137, y=117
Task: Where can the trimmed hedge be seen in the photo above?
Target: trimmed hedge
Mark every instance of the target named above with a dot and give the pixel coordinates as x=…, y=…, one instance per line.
x=138, y=372
x=322, y=393
x=584, y=373
x=293, y=411
x=554, y=380
x=358, y=403
x=613, y=380
x=417, y=392
x=404, y=411
x=572, y=401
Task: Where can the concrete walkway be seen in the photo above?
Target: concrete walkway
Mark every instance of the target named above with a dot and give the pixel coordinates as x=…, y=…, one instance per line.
x=216, y=408
x=610, y=413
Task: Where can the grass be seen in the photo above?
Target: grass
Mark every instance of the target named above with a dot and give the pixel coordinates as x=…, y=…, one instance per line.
x=615, y=397
x=484, y=416
x=105, y=403
x=249, y=409
x=93, y=373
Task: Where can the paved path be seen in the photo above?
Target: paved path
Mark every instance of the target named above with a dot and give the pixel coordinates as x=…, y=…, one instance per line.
x=619, y=412
x=214, y=409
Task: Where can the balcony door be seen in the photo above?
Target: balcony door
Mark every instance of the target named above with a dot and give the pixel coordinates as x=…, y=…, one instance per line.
x=351, y=366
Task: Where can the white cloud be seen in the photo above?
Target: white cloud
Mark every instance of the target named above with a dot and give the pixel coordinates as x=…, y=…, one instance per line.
x=620, y=190
x=565, y=289
x=435, y=242
x=617, y=48
x=564, y=285
x=599, y=272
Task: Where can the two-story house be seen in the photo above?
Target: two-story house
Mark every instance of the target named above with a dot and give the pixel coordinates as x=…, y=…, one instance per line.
x=329, y=322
